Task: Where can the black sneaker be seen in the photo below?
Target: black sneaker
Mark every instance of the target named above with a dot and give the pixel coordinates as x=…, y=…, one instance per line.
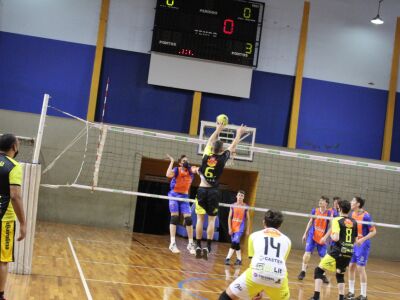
x=238, y=262
x=198, y=252
x=325, y=280
x=227, y=261
x=350, y=296
x=361, y=298
x=301, y=276
x=205, y=253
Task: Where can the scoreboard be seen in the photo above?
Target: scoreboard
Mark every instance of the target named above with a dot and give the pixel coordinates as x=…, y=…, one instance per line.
x=221, y=30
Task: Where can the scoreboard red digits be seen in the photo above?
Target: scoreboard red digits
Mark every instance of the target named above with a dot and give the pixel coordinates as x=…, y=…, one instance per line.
x=221, y=30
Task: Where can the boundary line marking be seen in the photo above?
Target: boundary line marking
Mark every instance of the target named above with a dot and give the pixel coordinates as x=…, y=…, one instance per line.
x=78, y=265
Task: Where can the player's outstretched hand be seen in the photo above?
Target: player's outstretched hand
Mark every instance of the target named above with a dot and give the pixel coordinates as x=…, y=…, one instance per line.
x=220, y=126
x=242, y=129
x=170, y=157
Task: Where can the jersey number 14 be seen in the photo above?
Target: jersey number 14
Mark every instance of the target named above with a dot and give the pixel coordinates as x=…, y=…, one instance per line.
x=269, y=243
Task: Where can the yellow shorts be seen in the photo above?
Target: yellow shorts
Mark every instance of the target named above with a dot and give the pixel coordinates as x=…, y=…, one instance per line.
x=245, y=288
x=199, y=210
x=328, y=263
x=7, y=232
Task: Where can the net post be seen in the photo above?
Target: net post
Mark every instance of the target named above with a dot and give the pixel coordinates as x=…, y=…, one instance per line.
x=39, y=137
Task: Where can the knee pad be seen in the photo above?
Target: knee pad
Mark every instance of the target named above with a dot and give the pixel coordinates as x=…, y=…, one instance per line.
x=174, y=220
x=188, y=221
x=318, y=273
x=224, y=296
x=340, y=277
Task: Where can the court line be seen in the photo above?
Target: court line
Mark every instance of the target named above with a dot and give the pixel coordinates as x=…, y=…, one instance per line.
x=145, y=267
x=205, y=273
x=187, y=291
x=149, y=285
x=86, y=287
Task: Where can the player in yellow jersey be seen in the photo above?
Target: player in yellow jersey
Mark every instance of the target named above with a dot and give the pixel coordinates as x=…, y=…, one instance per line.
x=10, y=204
x=268, y=250
x=344, y=233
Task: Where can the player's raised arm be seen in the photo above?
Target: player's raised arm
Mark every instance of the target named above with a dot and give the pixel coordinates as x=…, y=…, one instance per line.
x=170, y=172
x=214, y=136
x=239, y=133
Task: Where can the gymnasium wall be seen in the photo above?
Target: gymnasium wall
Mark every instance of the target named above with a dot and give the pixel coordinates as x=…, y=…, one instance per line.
x=283, y=183
x=48, y=46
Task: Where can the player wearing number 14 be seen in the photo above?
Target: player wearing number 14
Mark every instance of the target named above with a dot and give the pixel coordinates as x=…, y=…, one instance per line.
x=268, y=250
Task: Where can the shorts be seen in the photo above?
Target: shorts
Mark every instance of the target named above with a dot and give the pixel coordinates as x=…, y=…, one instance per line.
x=332, y=264
x=176, y=206
x=236, y=236
x=311, y=244
x=244, y=288
x=7, y=233
x=207, y=201
x=361, y=254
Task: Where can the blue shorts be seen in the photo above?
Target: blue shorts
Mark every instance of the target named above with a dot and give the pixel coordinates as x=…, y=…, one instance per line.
x=236, y=236
x=361, y=254
x=179, y=206
x=311, y=244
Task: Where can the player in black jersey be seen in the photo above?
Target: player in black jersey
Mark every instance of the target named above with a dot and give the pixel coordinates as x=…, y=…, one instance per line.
x=208, y=194
x=344, y=233
x=11, y=205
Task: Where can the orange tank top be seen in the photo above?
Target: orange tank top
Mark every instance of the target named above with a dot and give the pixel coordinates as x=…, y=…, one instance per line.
x=238, y=218
x=320, y=225
x=183, y=181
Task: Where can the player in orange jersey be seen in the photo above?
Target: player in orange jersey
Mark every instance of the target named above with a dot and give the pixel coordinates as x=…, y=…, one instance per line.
x=316, y=234
x=182, y=177
x=238, y=221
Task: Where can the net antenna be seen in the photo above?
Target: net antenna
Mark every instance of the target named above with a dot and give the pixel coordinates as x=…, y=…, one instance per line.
x=102, y=139
x=244, y=150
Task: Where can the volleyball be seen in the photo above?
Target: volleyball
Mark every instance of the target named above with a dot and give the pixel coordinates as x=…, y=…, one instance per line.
x=222, y=119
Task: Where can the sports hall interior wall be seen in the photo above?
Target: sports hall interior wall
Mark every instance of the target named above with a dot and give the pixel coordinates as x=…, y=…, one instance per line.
x=283, y=183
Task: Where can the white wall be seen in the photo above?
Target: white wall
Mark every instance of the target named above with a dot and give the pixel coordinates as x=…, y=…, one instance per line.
x=343, y=46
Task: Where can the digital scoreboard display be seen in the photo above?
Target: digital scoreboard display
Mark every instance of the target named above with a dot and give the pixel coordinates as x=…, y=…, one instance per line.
x=221, y=30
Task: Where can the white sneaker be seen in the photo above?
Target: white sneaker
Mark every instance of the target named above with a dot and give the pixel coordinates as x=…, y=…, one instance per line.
x=174, y=248
x=192, y=248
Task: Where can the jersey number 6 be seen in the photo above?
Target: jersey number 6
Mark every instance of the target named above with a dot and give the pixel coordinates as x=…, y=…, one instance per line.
x=209, y=172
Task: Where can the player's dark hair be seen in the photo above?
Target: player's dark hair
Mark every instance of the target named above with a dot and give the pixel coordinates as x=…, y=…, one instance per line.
x=7, y=141
x=336, y=198
x=273, y=218
x=182, y=157
x=344, y=206
x=360, y=200
x=217, y=147
x=325, y=198
x=241, y=192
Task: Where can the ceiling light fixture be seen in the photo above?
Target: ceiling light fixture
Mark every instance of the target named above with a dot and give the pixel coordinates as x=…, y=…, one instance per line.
x=377, y=20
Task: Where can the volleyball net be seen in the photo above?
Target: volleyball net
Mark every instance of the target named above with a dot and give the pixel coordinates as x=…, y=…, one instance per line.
x=109, y=159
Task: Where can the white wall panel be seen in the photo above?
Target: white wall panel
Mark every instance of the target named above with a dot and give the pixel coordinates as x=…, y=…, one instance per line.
x=68, y=20
x=130, y=25
x=343, y=46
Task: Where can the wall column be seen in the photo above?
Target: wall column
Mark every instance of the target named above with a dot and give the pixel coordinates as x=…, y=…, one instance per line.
x=391, y=103
x=194, y=120
x=98, y=58
x=294, y=116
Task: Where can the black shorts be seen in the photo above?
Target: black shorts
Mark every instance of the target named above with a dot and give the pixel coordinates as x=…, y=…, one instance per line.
x=208, y=200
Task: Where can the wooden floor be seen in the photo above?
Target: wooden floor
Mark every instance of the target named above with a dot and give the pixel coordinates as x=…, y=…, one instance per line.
x=124, y=265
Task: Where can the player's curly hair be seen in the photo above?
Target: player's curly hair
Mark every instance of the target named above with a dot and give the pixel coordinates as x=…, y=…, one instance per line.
x=273, y=218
